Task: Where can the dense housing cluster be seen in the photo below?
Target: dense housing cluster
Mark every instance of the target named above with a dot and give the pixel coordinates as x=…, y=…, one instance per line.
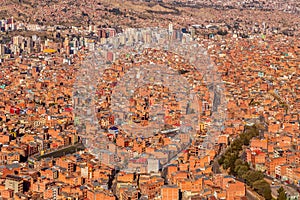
x=255, y=53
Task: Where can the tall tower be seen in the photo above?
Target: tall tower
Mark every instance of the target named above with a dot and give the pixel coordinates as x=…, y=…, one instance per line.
x=12, y=23
x=171, y=28
x=170, y=31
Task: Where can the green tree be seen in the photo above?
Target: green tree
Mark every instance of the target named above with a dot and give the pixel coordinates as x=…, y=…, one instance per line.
x=237, y=145
x=238, y=162
x=221, y=160
x=242, y=169
x=252, y=176
x=226, y=163
x=281, y=194
x=263, y=188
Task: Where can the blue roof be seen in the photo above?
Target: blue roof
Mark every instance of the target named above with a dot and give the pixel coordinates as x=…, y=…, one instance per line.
x=113, y=128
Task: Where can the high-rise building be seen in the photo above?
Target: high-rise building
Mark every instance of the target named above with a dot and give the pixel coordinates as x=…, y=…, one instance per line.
x=153, y=165
x=14, y=183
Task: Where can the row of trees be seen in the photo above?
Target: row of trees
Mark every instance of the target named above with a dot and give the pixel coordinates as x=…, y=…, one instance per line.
x=231, y=161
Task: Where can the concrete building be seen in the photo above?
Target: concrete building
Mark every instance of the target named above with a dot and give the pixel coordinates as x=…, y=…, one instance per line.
x=169, y=192
x=14, y=183
x=153, y=165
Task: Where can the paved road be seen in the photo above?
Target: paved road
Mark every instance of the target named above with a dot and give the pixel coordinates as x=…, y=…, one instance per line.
x=251, y=195
x=269, y=179
x=216, y=167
